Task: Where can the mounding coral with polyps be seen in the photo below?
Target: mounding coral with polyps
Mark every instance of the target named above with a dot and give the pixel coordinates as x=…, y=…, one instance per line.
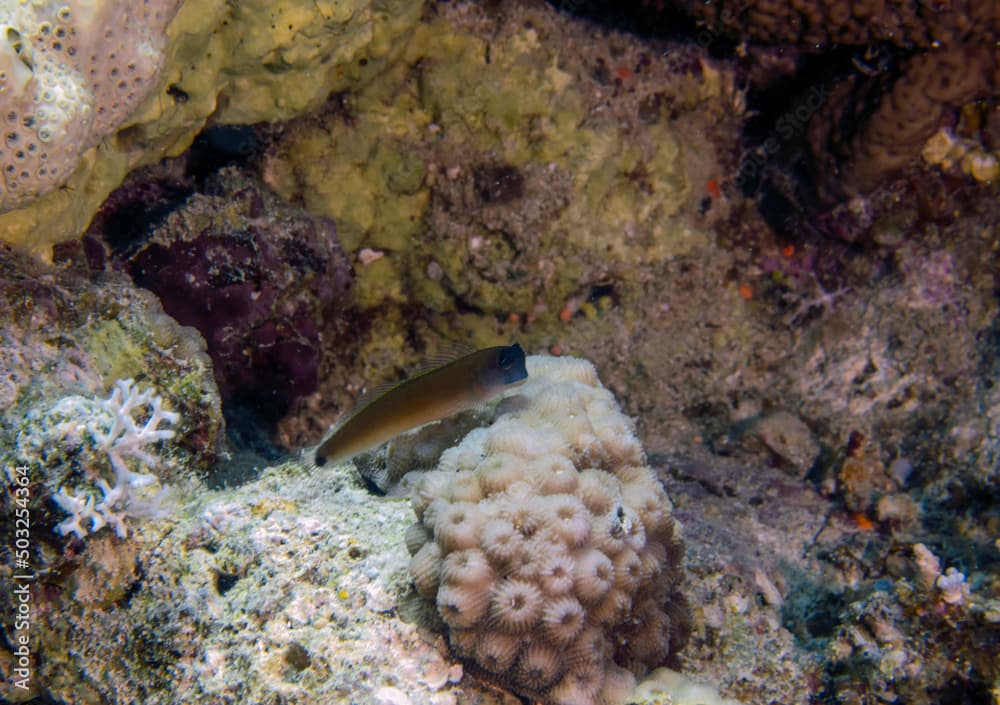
x=70, y=74
x=548, y=547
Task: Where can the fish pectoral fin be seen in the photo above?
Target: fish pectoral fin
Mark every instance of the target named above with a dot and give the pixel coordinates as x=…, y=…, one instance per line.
x=511, y=403
x=373, y=467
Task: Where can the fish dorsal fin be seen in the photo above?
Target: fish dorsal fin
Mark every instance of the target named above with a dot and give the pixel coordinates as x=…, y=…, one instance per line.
x=446, y=354
x=377, y=391
x=364, y=400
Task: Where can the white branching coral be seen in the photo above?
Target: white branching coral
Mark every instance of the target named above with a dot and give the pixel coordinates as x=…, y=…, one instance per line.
x=81, y=509
x=125, y=438
x=122, y=427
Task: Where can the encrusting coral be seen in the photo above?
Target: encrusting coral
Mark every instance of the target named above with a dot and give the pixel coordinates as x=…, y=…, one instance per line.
x=180, y=63
x=70, y=73
x=547, y=546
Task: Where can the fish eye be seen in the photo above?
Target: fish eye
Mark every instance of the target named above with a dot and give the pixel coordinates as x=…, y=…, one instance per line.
x=504, y=360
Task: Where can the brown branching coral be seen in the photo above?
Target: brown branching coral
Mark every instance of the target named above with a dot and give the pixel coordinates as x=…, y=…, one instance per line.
x=905, y=23
x=871, y=127
x=852, y=153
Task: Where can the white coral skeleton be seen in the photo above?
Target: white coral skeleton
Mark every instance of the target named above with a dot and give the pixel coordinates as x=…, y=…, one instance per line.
x=125, y=438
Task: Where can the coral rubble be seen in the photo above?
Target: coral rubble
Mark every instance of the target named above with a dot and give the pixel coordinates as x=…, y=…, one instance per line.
x=285, y=589
x=919, y=634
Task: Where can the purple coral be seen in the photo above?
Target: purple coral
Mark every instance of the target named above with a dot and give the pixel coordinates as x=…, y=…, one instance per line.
x=257, y=277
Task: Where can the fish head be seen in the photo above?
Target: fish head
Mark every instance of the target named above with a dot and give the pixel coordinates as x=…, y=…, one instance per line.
x=506, y=368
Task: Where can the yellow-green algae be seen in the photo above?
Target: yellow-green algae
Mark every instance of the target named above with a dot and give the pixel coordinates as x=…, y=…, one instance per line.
x=116, y=354
x=455, y=100
x=233, y=63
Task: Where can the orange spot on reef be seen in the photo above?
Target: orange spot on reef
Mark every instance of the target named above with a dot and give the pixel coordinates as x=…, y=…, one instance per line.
x=623, y=72
x=746, y=292
x=788, y=251
x=514, y=318
x=555, y=350
x=712, y=187
x=863, y=522
x=565, y=314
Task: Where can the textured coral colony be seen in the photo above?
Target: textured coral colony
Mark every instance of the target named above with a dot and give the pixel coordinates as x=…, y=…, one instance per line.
x=70, y=74
x=548, y=547
x=751, y=247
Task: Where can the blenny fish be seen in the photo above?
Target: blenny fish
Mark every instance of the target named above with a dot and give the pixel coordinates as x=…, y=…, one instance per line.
x=429, y=395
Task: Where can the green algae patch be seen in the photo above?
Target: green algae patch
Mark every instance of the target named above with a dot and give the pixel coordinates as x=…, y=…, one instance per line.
x=507, y=98
x=378, y=283
x=471, y=161
x=116, y=354
x=627, y=191
x=370, y=186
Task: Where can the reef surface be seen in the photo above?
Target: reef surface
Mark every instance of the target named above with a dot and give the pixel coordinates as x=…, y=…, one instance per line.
x=822, y=412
